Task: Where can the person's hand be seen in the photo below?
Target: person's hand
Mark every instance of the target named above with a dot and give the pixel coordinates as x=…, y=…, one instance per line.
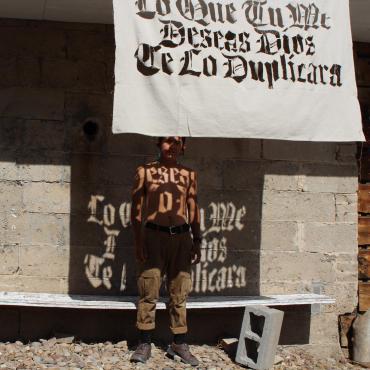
x=195, y=253
x=141, y=254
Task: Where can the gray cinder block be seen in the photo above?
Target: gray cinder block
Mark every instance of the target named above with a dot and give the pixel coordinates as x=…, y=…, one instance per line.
x=259, y=337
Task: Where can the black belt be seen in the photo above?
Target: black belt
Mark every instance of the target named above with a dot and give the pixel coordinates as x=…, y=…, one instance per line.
x=172, y=230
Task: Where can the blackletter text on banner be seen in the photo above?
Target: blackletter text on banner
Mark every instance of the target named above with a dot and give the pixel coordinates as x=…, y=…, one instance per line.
x=275, y=69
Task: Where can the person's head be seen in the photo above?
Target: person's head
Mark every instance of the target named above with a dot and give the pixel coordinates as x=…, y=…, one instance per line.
x=171, y=147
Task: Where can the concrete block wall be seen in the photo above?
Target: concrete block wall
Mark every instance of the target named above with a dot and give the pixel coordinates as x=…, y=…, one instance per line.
x=278, y=217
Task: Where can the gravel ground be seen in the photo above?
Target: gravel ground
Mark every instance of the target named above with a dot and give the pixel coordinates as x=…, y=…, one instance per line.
x=63, y=354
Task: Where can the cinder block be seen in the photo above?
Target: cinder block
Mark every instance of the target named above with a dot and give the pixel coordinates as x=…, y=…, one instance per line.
x=347, y=267
x=91, y=76
x=80, y=232
x=37, y=229
x=3, y=228
x=39, y=135
x=33, y=166
x=231, y=148
x=231, y=273
x=32, y=103
x=78, y=142
x=299, y=151
x=8, y=170
x=35, y=41
x=36, y=284
x=242, y=175
x=84, y=45
x=346, y=207
x=10, y=134
x=268, y=287
x=345, y=294
x=10, y=197
x=259, y=337
x=47, y=197
x=210, y=172
x=346, y=152
x=281, y=175
x=326, y=178
x=65, y=26
x=45, y=261
x=47, y=172
x=330, y=237
x=292, y=266
x=59, y=73
x=73, y=75
x=104, y=169
x=9, y=256
x=251, y=200
x=298, y=206
x=9, y=283
x=82, y=196
x=256, y=236
x=84, y=105
x=29, y=73
x=8, y=68
x=280, y=236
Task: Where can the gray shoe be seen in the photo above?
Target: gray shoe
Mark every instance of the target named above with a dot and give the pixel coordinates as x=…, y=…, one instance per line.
x=142, y=353
x=183, y=351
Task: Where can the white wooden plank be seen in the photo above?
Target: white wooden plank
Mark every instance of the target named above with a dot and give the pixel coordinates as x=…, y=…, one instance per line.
x=128, y=303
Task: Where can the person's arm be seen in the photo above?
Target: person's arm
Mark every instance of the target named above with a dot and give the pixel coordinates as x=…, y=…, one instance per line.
x=138, y=198
x=194, y=217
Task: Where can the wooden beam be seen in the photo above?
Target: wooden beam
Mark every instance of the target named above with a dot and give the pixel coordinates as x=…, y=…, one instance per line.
x=364, y=296
x=363, y=230
x=364, y=264
x=364, y=198
x=129, y=303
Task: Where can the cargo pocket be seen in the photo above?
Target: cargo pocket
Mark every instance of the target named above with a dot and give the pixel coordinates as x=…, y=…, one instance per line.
x=180, y=286
x=148, y=285
x=188, y=286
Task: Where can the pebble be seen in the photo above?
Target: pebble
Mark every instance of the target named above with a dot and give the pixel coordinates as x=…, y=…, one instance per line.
x=53, y=355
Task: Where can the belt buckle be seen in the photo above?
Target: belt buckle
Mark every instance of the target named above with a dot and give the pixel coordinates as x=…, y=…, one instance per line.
x=171, y=228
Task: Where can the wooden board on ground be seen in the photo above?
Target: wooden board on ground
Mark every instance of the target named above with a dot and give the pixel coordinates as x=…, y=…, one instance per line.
x=363, y=230
x=364, y=264
x=364, y=296
x=364, y=198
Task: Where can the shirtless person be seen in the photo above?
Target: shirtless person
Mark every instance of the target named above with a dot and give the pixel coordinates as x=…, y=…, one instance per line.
x=164, y=210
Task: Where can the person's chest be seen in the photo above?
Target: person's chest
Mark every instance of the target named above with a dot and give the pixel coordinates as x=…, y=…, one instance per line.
x=167, y=179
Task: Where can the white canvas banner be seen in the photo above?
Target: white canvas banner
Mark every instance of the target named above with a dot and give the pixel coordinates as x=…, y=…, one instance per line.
x=274, y=69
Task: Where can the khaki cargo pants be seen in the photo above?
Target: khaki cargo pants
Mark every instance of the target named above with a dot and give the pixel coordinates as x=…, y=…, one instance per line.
x=170, y=255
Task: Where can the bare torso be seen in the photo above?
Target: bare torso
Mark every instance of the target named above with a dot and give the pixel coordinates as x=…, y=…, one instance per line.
x=165, y=194
x=167, y=189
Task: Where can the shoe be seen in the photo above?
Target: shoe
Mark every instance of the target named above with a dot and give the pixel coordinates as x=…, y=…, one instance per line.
x=142, y=353
x=183, y=351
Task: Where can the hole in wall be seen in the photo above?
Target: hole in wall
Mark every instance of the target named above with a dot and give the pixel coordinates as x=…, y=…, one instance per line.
x=90, y=128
